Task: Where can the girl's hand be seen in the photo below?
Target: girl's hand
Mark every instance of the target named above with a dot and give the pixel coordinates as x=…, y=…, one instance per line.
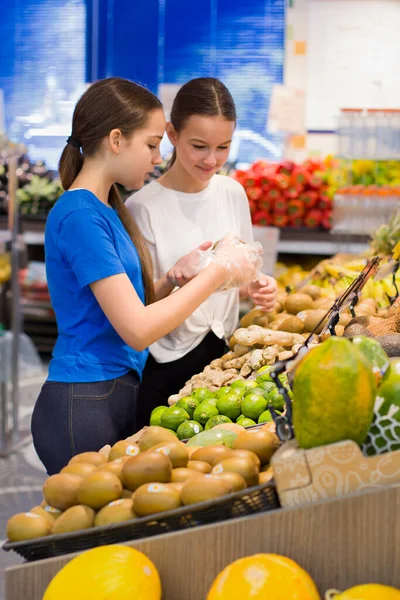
x=263, y=292
x=187, y=267
x=242, y=261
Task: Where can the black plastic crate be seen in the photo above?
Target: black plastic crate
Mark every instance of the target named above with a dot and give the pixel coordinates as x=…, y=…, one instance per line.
x=246, y=502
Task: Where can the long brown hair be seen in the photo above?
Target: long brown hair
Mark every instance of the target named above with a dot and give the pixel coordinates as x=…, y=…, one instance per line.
x=204, y=96
x=109, y=104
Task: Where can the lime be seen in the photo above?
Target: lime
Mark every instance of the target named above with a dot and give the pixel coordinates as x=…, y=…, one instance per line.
x=189, y=404
x=239, y=391
x=275, y=398
x=238, y=383
x=217, y=420
x=229, y=405
x=267, y=386
x=265, y=417
x=212, y=401
x=253, y=405
x=204, y=412
x=263, y=374
x=155, y=417
x=173, y=417
x=202, y=393
x=252, y=383
x=222, y=391
x=245, y=422
x=188, y=429
x=257, y=390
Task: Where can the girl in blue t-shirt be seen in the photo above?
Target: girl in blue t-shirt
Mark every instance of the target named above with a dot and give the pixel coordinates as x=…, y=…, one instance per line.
x=99, y=273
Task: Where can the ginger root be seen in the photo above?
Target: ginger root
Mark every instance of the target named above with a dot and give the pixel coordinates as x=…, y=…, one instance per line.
x=255, y=335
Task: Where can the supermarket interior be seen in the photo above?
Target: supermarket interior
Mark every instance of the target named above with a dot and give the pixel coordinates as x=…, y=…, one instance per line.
x=200, y=380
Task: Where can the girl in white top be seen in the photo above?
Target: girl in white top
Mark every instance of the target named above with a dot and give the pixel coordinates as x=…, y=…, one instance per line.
x=189, y=206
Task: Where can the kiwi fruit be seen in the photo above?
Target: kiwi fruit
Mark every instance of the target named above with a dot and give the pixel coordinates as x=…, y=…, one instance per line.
x=325, y=303
x=27, y=526
x=123, y=448
x=234, y=479
x=116, y=511
x=261, y=442
x=212, y=454
x=153, y=435
x=74, y=519
x=246, y=467
x=61, y=490
x=126, y=493
x=312, y=290
x=313, y=318
x=144, y=468
x=192, y=449
x=244, y=453
x=292, y=325
x=199, y=465
x=182, y=474
x=201, y=489
x=248, y=319
x=175, y=451
x=261, y=321
x=79, y=468
x=47, y=514
x=266, y=476
x=114, y=467
x=93, y=458
x=153, y=498
x=177, y=485
x=295, y=303
x=345, y=319
x=98, y=489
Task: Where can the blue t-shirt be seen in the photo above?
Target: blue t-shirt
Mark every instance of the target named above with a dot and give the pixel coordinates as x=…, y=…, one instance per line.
x=85, y=241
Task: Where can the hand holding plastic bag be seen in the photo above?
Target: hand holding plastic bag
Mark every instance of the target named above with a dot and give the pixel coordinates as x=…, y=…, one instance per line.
x=242, y=261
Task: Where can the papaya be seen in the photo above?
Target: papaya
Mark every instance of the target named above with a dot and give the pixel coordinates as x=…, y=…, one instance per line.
x=384, y=433
x=334, y=392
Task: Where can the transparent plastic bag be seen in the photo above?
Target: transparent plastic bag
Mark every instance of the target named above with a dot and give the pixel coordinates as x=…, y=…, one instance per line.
x=29, y=362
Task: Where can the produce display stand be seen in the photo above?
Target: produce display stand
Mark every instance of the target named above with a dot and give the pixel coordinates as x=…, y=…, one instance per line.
x=340, y=542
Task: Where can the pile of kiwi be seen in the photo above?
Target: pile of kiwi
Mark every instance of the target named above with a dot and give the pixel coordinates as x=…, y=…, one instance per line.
x=156, y=474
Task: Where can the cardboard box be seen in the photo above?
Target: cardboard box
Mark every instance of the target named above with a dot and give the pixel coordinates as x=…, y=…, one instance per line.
x=341, y=543
x=331, y=471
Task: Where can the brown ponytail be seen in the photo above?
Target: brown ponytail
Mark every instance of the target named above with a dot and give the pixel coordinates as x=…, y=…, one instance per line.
x=109, y=104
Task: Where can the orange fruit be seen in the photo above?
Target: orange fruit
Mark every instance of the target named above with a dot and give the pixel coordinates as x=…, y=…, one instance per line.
x=263, y=576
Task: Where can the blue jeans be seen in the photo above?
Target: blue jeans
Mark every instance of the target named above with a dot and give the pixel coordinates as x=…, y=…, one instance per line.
x=70, y=418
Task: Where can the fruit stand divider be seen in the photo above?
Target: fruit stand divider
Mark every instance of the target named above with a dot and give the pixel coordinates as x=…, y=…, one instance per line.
x=341, y=543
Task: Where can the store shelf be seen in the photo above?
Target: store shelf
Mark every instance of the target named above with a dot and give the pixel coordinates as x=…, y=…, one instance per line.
x=292, y=241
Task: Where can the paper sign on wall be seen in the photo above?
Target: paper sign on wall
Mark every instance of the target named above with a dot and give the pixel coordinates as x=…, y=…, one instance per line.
x=287, y=110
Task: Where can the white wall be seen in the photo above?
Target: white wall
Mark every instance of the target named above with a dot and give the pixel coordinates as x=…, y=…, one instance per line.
x=342, y=53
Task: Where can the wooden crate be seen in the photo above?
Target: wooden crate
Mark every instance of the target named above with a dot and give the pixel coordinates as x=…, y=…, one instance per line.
x=340, y=542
